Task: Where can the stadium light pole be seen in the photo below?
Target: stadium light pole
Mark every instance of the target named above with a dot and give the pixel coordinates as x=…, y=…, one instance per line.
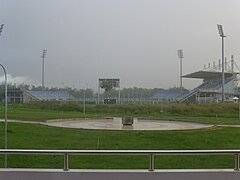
x=220, y=30
x=180, y=55
x=161, y=111
x=44, y=53
x=6, y=104
x=84, y=100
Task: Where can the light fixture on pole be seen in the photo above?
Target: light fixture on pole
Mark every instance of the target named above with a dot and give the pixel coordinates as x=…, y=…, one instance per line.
x=44, y=53
x=180, y=56
x=220, y=30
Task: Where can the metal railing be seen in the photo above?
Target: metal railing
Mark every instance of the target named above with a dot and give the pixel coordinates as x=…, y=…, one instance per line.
x=150, y=153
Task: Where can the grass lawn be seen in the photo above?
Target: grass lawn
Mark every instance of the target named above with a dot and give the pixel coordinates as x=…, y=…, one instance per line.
x=32, y=136
x=22, y=113
x=43, y=114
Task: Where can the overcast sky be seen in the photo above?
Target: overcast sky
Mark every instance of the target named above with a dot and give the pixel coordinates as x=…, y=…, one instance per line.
x=134, y=40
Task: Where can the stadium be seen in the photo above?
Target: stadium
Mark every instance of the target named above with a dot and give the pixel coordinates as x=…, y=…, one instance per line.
x=210, y=91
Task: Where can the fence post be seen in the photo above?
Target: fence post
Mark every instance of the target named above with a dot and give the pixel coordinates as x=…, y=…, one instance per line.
x=65, y=168
x=236, y=162
x=151, y=165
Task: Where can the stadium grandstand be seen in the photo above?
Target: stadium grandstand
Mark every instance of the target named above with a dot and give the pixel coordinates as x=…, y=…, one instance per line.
x=46, y=96
x=165, y=97
x=210, y=91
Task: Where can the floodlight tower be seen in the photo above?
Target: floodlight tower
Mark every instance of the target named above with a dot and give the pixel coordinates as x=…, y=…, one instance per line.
x=44, y=53
x=180, y=55
x=220, y=30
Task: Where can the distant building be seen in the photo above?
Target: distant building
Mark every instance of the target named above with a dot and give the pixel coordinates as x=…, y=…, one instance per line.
x=46, y=96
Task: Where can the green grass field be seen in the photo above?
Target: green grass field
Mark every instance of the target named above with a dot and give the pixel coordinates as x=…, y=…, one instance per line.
x=33, y=136
x=213, y=114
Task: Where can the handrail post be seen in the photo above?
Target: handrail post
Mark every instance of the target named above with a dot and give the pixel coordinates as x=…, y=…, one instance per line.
x=65, y=162
x=151, y=163
x=236, y=162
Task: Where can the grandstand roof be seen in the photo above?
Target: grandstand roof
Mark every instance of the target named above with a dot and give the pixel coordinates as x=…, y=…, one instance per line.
x=207, y=74
x=51, y=95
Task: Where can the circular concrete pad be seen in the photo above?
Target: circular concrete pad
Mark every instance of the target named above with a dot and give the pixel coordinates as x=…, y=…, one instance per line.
x=116, y=124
